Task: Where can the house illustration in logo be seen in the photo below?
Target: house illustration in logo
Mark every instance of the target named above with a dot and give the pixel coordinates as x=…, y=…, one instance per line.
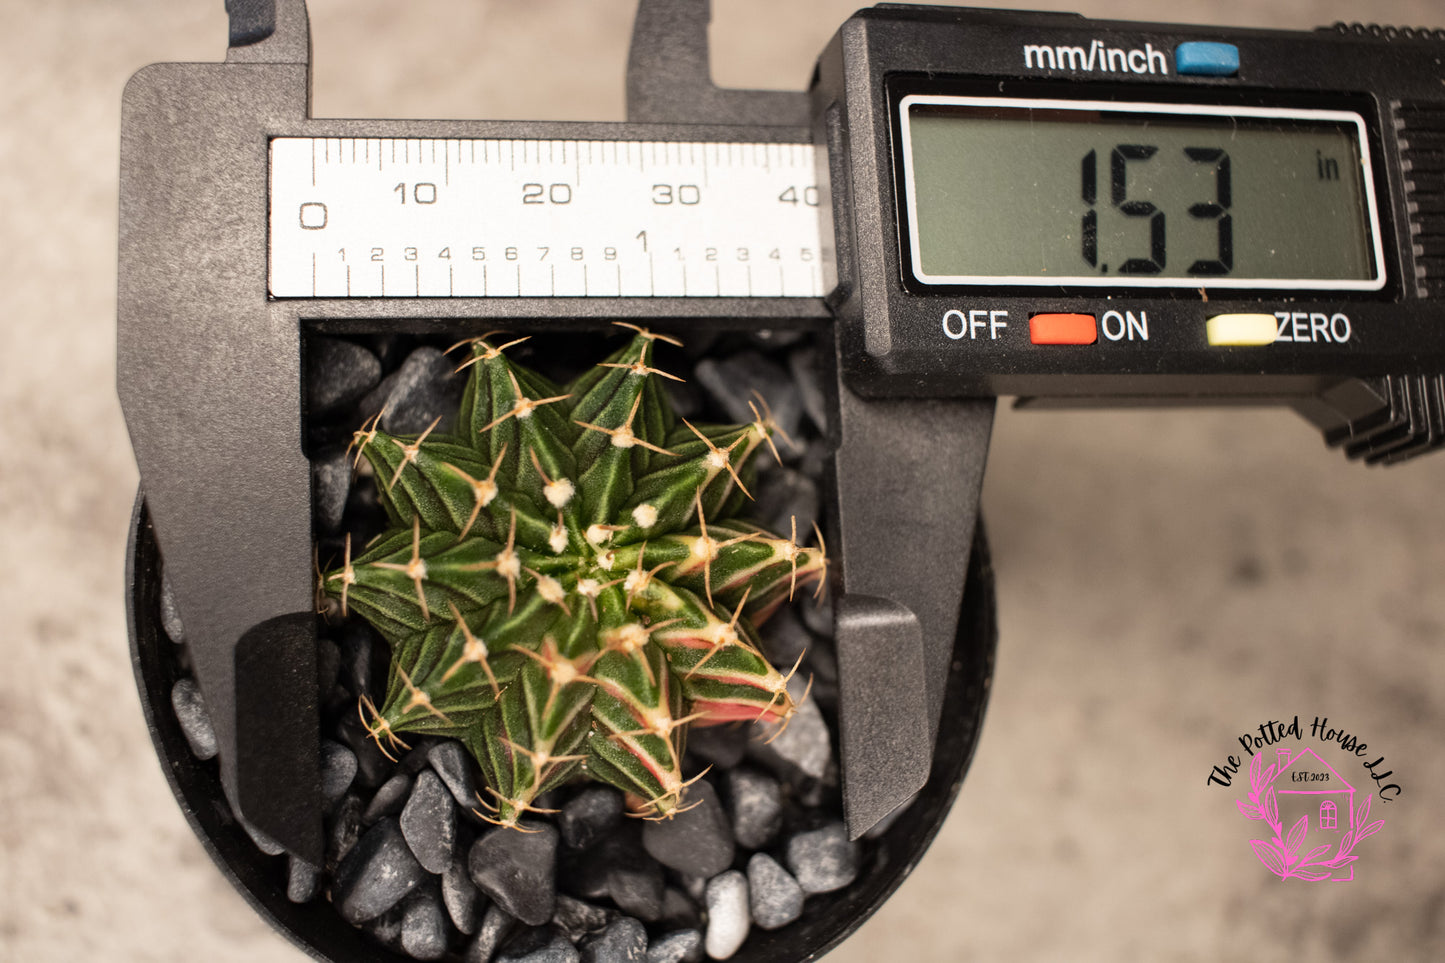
x=1306, y=787
x=1311, y=814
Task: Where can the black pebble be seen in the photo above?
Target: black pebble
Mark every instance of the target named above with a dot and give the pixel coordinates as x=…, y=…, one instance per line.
x=803, y=749
x=698, y=840
x=788, y=503
x=684, y=946
x=784, y=638
x=460, y=895
x=364, y=518
x=679, y=911
x=330, y=487
x=774, y=896
x=723, y=746
x=170, y=615
x=631, y=877
x=450, y=761
x=423, y=389
x=583, y=875
x=344, y=828
x=623, y=941
x=390, y=348
x=338, y=768
x=372, y=766
x=590, y=815
x=814, y=460
x=824, y=859
x=358, y=660
x=419, y=756
x=389, y=799
x=303, y=881
x=190, y=709
x=424, y=927
x=757, y=806
x=773, y=339
x=378, y=872
x=556, y=949
x=822, y=665
x=429, y=823
x=803, y=364
x=386, y=928
x=338, y=373
x=578, y=919
x=732, y=384
x=263, y=842
x=496, y=925
x=518, y=870
x=818, y=617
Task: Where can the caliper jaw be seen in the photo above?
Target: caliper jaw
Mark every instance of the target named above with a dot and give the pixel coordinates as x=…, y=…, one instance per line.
x=268, y=32
x=669, y=80
x=210, y=382
x=907, y=475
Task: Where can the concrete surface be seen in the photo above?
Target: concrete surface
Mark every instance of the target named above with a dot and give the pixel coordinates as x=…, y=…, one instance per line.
x=1167, y=580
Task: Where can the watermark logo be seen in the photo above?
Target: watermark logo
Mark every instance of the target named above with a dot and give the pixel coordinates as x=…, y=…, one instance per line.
x=1315, y=817
x=1306, y=792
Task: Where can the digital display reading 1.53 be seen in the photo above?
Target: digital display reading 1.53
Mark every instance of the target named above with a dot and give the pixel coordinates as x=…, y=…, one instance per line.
x=1032, y=192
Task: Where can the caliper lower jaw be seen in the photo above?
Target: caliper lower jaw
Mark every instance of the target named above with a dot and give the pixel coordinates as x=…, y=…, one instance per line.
x=907, y=475
x=214, y=418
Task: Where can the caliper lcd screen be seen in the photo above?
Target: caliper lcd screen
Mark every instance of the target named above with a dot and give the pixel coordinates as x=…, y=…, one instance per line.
x=1106, y=194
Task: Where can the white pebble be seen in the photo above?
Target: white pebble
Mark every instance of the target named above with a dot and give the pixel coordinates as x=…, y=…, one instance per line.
x=728, y=920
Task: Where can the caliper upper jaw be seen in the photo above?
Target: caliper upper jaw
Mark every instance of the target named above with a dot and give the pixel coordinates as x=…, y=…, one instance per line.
x=907, y=474
x=268, y=32
x=669, y=80
x=209, y=377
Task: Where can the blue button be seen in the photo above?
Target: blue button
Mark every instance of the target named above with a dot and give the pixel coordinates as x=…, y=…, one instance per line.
x=1207, y=59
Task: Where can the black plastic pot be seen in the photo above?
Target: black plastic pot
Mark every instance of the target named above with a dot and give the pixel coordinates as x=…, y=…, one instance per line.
x=317, y=929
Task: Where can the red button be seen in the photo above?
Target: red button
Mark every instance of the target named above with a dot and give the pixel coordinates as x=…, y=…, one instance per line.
x=1063, y=329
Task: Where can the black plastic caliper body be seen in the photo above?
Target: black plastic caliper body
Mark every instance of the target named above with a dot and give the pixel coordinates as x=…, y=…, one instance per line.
x=906, y=101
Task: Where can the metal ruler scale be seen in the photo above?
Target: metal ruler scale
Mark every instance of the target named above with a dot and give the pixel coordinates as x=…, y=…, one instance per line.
x=468, y=217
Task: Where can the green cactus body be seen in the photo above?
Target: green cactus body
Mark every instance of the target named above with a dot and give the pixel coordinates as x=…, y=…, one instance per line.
x=566, y=585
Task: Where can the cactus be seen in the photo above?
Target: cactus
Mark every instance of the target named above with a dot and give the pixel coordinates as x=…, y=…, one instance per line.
x=565, y=583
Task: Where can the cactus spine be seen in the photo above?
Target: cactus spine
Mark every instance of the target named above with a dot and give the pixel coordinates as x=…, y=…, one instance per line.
x=565, y=584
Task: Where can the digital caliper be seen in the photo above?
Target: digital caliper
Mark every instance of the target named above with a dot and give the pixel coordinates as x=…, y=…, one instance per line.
x=1068, y=210
x=974, y=203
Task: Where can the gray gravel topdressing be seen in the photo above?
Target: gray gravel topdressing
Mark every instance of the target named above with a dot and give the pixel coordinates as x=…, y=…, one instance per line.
x=408, y=858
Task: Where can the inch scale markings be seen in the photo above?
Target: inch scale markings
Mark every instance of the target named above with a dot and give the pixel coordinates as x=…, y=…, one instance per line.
x=423, y=217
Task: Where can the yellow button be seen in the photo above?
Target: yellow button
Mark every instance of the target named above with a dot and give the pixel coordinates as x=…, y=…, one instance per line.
x=1225, y=329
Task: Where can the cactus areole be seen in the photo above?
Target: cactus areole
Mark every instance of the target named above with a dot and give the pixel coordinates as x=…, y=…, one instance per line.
x=566, y=584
